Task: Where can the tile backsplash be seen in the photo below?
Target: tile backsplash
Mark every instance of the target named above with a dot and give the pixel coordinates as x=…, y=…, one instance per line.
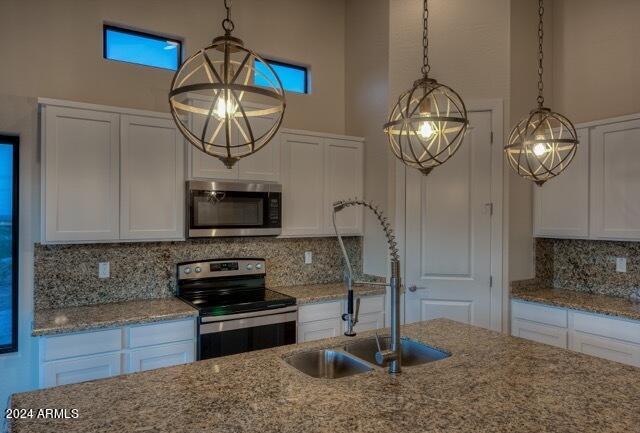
x=67, y=275
x=588, y=265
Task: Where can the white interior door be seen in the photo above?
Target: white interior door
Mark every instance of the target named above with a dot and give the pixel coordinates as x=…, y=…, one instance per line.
x=448, y=234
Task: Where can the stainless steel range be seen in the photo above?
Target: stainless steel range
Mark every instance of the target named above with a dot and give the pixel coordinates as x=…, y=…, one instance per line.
x=237, y=312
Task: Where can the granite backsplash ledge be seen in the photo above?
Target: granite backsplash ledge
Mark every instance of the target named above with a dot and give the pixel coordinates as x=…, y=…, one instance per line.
x=588, y=265
x=67, y=275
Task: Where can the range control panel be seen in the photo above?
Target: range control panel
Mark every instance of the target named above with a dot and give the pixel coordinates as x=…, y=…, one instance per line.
x=221, y=268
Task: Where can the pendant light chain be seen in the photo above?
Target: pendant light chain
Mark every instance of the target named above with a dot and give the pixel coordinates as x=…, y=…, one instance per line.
x=540, y=53
x=426, y=67
x=227, y=24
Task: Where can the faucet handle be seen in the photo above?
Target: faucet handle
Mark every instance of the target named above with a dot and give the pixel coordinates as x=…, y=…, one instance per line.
x=378, y=342
x=357, y=313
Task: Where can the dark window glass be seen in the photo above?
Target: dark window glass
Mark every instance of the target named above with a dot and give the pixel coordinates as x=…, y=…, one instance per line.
x=141, y=48
x=8, y=244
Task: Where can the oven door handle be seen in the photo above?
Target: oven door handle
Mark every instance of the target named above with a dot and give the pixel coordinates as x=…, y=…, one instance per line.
x=209, y=319
x=247, y=322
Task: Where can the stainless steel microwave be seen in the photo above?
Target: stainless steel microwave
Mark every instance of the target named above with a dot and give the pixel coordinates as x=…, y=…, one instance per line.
x=233, y=209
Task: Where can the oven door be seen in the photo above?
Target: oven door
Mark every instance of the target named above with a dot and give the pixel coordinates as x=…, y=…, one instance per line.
x=247, y=332
x=227, y=209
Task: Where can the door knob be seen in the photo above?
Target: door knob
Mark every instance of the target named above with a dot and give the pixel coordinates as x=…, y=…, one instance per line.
x=412, y=288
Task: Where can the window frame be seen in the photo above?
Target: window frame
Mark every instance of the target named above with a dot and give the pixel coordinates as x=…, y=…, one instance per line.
x=305, y=69
x=14, y=140
x=155, y=36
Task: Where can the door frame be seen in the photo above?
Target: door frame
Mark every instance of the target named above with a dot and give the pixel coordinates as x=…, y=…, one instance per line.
x=499, y=293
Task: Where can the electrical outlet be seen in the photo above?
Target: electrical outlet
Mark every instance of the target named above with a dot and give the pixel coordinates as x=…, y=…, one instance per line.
x=103, y=270
x=308, y=257
x=621, y=264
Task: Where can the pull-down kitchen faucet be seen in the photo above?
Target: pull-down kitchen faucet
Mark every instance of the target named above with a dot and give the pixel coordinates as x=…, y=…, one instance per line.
x=393, y=355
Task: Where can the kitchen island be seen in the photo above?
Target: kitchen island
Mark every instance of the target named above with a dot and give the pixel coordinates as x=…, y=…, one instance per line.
x=490, y=383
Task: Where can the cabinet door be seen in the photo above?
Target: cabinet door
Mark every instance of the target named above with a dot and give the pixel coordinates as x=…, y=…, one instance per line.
x=264, y=165
x=539, y=332
x=202, y=165
x=343, y=180
x=615, y=181
x=75, y=370
x=303, y=199
x=150, y=358
x=318, y=330
x=152, y=179
x=80, y=179
x=607, y=348
x=561, y=206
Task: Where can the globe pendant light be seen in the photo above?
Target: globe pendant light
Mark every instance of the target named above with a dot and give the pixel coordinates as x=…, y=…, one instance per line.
x=542, y=144
x=429, y=121
x=217, y=106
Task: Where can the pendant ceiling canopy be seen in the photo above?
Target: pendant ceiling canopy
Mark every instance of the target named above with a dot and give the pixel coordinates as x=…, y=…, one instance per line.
x=217, y=106
x=542, y=144
x=429, y=121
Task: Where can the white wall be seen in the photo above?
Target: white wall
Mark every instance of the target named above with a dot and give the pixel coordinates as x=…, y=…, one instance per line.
x=54, y=49
x=596, y=60
x=367, y=78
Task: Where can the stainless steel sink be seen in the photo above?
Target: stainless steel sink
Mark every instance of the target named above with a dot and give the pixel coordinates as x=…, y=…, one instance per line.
x=327, y=364
x=413, y=353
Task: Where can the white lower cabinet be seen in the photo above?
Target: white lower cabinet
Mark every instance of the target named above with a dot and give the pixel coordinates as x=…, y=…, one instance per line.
x=324, y=319
x=611, y=338
x=167, y=355
x=83, y=356
x=74, y=370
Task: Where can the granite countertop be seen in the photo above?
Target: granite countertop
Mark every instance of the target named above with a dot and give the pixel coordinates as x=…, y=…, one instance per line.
x=491, y=383
x=74, y=319
x=310, y=293
x=602, y=304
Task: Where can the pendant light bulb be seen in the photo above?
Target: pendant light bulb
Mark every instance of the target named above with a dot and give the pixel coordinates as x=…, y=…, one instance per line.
x=425, y=130
x=540, y=149
x=224, y=107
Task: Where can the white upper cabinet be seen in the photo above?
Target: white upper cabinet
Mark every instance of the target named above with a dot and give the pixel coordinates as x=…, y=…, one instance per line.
x=80, y=179
x=316, y=171
x=264, y=165
x=152, y=179
x=598, y=197
x=343, y=179
x=562, y=204
x=615, y=181
x=110, y=174
x=202, y=165
x=303, y=199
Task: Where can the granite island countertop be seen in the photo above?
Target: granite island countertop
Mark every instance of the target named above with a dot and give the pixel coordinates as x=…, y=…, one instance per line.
x=75, y=319
x=311, y=293
x=573, y=299
x=490, y=383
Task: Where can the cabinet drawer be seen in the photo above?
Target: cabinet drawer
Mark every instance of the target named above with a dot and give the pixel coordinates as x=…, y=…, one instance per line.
x=321, y=311
x=606, y=327
x=160, y=333
x=539, y=332
x=77, y=370
x=86, y=343
x=539, y=313
x=607, y=348
x=371, y=304
x=319, y=330
x=150, y=358
x=369, y=321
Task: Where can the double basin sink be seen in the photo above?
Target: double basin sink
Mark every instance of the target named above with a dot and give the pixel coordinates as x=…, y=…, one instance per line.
x=358, y=356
